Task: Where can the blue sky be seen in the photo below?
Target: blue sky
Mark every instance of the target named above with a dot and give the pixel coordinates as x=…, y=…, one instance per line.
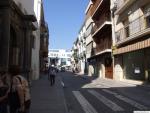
x=64, y=18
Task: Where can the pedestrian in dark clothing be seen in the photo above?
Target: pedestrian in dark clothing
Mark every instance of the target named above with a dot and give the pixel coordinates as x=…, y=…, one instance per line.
x=3, y=96
x=16, y=94
x=51, y=75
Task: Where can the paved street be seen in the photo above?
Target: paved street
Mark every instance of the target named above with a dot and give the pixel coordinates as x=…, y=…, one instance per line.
x=89, y=95
x=46, y=98
x=74, y=93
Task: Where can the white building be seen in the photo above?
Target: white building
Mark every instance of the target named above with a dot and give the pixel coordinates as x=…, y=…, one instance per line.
x=82, y=49
x=59, y=57
x=36, y=46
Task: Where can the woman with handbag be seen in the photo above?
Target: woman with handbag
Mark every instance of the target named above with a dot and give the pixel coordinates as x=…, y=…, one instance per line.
x=16, y=94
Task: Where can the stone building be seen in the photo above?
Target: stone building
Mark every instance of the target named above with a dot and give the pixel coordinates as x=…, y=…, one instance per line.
x=21, y=28
x=44, y=41
x=131, y=46
x=35, y=59
x=16, y=27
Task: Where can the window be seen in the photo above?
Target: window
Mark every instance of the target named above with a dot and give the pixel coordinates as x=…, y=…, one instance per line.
x=89, y=29
x=53, y=50
x=68, y=55
x=14, y=48
x=126, y=29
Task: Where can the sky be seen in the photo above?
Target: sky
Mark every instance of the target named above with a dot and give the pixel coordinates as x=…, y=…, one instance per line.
x=64, y=18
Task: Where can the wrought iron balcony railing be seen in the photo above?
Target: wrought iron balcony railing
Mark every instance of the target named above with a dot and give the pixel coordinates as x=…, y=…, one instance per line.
x=123, y=5
x=98, y=24
x=132, y=29
x=102, y=47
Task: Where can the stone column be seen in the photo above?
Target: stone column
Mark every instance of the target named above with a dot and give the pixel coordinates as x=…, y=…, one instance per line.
x=27, y=50
x=5, y=37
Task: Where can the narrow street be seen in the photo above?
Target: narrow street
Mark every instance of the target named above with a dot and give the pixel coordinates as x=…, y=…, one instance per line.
x=89, y=95
x=75, y=56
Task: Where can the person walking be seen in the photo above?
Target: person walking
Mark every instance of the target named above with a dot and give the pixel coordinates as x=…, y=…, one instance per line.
x=16, y=94
x=27, y=95
x=51, y=75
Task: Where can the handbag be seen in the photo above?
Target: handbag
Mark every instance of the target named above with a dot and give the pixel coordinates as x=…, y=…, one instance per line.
x=14, y=100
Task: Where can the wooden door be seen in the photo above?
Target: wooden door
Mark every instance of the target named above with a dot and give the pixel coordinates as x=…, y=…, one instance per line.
x=108, y=68
x=109, y=72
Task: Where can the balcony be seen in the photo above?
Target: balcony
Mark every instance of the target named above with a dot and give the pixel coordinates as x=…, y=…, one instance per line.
x=100, y=25
x=96, y=52
x=99, y=6
x=122, y=5
x=135, y=29
x=94, y=6
x=103, y=45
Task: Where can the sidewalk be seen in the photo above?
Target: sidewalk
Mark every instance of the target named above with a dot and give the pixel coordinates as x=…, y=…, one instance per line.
x=46, y=98
x=98, y=81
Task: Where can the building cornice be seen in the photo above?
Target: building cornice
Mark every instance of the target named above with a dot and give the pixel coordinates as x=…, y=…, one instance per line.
x=13, y=5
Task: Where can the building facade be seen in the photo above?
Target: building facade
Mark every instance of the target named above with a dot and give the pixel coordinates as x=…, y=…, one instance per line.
x=74, y=57
x=44, y=42
x=35, y=61
x=60, y=57
x=82, y=50
x=16, y=27
x=131, y=47
x=20, y=26
x=90, y=44
x=101, y=59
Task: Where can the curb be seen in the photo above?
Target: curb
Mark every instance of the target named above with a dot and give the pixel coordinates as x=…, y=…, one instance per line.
x=64, y=100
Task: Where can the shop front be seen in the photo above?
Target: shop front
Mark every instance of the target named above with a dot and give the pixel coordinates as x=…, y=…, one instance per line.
x=134, y=65
x=102, y=65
